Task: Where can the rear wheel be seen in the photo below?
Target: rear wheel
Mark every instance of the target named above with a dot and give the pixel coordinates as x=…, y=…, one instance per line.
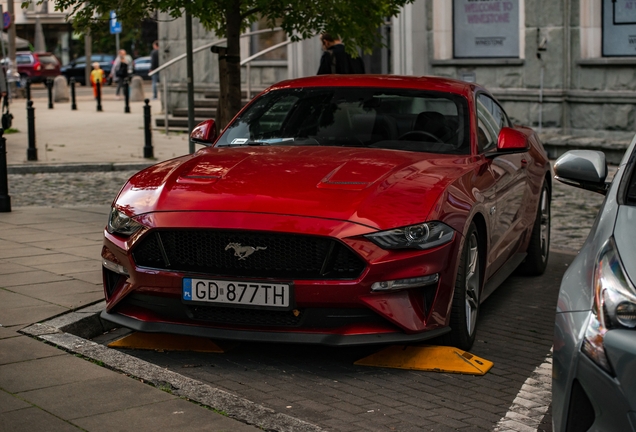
x=539, y=247
x=466, y=298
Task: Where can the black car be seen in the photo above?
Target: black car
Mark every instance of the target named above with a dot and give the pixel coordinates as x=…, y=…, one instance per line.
x=75, y=69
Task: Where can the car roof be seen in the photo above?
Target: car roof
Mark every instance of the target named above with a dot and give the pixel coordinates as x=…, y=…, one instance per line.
x=432, y=83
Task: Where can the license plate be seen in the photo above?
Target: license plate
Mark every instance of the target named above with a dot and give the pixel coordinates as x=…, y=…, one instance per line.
x=262, y=294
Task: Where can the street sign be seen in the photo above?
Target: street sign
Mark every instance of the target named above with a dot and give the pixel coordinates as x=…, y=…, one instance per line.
x=115, y=26
x=6, y=20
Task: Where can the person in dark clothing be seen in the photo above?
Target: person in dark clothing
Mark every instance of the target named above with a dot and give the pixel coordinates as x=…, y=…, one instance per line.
x=154, y=64
x=335, y=60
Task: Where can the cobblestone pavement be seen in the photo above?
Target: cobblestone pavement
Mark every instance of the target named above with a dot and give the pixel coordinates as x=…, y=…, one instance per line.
x=573, y=210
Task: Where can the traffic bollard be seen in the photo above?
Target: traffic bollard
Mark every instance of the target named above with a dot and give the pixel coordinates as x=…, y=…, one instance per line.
x=27, y=87
x=148, y=150
x=73, y=104
x=126, y=96
x=49, y=85
x=98, y=87
x=5, y=199
x=32, y=151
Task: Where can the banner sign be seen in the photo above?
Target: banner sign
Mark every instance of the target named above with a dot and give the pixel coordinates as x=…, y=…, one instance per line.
x=624, y=12
x=619, y=28
x=485, y=28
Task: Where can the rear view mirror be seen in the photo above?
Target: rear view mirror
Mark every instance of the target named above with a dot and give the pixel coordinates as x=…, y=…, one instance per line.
x=204, y=133
x=511, y=141
x=586, y=169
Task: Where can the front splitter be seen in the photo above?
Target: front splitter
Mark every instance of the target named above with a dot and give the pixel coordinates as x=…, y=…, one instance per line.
x=329, y=339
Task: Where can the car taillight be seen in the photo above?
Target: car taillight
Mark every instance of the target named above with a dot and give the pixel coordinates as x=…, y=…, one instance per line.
x=38, y=66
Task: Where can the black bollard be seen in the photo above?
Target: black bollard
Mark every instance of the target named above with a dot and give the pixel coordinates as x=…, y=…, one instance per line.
x=98, y=87
x=28, y=89
x=5, y=199
x=148, y=151
x=32, y=151
x=73, y=104
x=49, y=85
x=126, y=96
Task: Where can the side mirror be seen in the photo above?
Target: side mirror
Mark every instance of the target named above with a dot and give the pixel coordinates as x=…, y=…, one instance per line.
x=586, y=169
x=204, y=133
x=512, y=141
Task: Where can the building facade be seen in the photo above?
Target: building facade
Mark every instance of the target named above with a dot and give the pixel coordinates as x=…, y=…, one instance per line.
x=566, y=64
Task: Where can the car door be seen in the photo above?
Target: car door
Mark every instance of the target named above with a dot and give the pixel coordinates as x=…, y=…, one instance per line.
x=510, y=173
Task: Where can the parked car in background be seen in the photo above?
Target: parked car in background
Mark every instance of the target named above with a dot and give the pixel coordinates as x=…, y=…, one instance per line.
x=36, y=66
x=75, y=69
x=594, y=364
x=141, y=67
x=333, y=210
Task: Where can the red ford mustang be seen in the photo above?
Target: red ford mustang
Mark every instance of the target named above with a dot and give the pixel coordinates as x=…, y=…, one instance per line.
x=333, y=210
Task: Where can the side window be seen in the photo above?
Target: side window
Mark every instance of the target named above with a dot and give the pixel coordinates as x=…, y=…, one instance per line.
x=495, y=110
x=22, y=59
x=487, y=128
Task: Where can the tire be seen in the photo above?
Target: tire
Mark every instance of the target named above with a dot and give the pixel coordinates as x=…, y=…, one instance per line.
x=466, y=297
x=539, y=248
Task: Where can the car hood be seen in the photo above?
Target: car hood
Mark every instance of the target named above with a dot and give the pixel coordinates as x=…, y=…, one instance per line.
x=378, y=188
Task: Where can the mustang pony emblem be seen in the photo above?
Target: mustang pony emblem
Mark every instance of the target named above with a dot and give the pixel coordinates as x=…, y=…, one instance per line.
x=243, y=251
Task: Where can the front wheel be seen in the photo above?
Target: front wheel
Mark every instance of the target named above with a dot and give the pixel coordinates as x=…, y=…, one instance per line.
x=466, y=297
x=539, y=247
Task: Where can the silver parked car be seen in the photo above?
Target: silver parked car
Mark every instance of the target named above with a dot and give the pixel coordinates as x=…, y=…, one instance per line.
x=594, y=368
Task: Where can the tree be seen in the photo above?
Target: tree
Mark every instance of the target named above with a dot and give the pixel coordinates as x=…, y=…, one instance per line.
x=355, y=20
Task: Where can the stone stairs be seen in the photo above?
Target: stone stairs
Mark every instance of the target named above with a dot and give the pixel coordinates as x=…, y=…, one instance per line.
x=204, y=108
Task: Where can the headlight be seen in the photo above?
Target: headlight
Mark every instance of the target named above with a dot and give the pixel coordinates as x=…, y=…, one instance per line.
x=420, y=236
x=119, y=223
x=614, y=304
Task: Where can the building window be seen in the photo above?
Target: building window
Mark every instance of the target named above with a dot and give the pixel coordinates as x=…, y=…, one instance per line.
x=619, y=28
x=486, y=29
x=265, y=40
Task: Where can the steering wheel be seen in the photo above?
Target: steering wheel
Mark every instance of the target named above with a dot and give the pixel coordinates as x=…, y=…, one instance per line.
x=419, y=133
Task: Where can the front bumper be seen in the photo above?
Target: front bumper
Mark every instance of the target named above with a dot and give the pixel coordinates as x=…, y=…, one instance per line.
x=583, y=394
x=150, y=299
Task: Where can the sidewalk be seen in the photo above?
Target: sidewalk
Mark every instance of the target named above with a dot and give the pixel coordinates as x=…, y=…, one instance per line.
x=85, y=136
x=50, y=265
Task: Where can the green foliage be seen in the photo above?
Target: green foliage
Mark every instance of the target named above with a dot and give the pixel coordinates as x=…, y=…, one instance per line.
x=356, y=21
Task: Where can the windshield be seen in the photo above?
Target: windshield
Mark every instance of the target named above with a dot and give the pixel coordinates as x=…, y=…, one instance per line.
x=398, y=119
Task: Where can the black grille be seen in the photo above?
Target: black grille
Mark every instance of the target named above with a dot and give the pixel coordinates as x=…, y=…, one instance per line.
x=284, y=256
x=250, y=317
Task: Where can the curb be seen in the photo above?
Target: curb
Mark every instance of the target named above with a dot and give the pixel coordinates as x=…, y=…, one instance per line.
x=69, y=332
x=78, y=167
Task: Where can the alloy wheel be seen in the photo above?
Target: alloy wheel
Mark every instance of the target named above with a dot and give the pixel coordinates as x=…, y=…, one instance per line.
x=545, y=224
x=472, y=283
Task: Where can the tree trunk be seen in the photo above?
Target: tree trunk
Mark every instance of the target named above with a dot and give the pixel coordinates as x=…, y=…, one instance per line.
x=230, y=92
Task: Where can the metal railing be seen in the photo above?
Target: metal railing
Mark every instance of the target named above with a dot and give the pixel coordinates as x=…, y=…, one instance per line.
x=246, y=62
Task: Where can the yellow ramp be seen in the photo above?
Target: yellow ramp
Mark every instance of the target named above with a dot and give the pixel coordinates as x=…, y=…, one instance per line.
x=428, y=358
x=166, y=342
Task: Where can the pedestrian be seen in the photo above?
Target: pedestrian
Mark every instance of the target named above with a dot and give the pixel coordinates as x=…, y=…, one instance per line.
x=335, y=60
x=120, y=70
x=154, y=64
x=97, y=76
